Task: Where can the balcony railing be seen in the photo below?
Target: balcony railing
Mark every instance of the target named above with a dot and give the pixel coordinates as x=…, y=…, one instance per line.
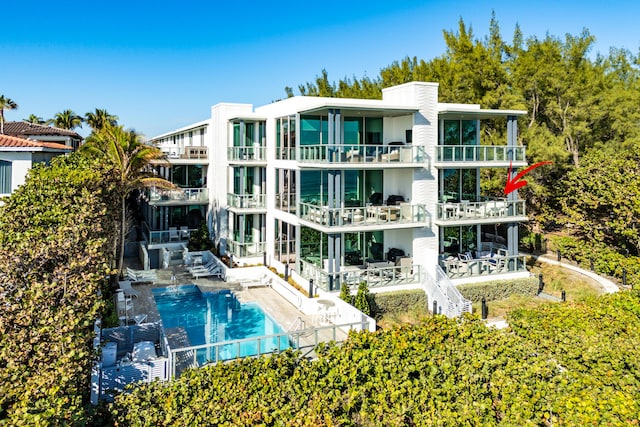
x=342, y=153
x=246, y=249
x=404, y=213
x=375, y=274
x=189, y=153
x=173, y=235
x=494, y=209
x=246, y=201
x=159, y=196
x=487, y=265
x=248, y=154
x=480, y=153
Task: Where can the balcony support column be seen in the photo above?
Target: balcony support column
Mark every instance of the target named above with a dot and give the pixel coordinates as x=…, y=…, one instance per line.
x=512, y=228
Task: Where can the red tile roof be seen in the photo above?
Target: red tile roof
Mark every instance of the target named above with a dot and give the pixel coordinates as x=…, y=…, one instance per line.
x=15, y=142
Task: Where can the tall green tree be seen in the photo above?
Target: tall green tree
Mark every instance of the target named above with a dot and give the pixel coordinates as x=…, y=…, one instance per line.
x=55, y=233
x=5, y=104
x=66, y=119
x=130, y=160
x=100, y=118
x=35, y=119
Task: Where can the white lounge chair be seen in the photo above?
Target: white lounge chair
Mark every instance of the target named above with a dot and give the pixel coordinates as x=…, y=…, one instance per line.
x=140, y=275
x=207, y=272
x=128, y=291
x=207, y=266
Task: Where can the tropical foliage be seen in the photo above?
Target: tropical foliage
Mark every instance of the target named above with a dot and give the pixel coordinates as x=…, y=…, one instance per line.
x=130, y=160
x=35, y=119
x=5, y=104
x=55, y=233
x=570, y=368
x=66, y=119
x=99, y=119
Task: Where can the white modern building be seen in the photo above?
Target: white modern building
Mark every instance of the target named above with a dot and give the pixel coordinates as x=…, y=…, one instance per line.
x=339, y=190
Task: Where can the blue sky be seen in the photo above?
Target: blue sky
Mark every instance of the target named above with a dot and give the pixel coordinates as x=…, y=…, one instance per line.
x=161, y=65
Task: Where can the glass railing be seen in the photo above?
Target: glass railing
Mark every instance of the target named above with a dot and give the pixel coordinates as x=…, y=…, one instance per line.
x=485, y=265
x=246, y=201
x=246, y=249
x=157, y=195
x=173, y=235
x=249, y=154
x=342, y=153
x=480, y=153
x=367, y=215
x=500, y=208
x=286, y=202
x=286, y=153
x=377, y=274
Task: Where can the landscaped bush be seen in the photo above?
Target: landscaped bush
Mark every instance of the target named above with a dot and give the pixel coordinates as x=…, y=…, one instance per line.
x=397, y=302
x=499, y=289
x=566, y=364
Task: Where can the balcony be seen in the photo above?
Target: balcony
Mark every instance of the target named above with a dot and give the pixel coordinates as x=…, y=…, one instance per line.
x=246, y=249
x=461, y=156
x=188, y=153
x=359, y=155
x=246, y=201
x=380, y=274
x=182, y=196
x=486, y=265
x=492, y=211
x=173, y=235
x=404, y=215
x=247, y=154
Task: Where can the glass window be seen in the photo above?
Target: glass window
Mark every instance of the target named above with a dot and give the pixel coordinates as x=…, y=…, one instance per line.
x=451, y=132
x=195, y=177
x=469, y=134
x=352, y=130
x=5, y=177
x=179, y=175
x=373, y=128
x=310, y=130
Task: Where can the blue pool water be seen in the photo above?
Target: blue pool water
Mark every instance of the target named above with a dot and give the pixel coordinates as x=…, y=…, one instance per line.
x=217, y=317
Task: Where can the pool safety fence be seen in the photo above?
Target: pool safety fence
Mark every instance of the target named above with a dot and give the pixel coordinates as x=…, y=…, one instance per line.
x=302, y=339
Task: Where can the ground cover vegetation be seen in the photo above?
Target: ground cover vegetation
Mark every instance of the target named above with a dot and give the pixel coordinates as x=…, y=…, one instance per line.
x=563, y=364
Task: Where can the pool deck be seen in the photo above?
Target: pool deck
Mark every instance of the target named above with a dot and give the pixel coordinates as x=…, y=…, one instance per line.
x=283, y=312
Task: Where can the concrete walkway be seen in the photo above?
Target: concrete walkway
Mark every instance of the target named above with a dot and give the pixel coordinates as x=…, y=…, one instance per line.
x=608, y=286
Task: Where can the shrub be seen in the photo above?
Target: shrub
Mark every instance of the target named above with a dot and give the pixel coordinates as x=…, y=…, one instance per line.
x=397, y=302
x=361, y=301
x=499, y=289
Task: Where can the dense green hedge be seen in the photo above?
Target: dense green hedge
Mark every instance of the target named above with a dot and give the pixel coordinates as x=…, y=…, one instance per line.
x=499, y=289
x=566, y=364
x=606, y=260
x=397, y=302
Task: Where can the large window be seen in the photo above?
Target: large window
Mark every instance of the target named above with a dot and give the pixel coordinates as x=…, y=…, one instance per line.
x=286, y=190
x=459, y=132
x=5, y=177
x=286, y=138
x=458, y=239
x=285, y=238
x=459, y=185
x=187, y=176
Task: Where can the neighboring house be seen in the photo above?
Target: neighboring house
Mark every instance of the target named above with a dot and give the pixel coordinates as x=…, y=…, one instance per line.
x=339, y=189
x=18, y=155
x=43, y=133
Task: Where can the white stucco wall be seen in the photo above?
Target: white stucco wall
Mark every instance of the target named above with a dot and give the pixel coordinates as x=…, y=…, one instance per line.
x=20, y=165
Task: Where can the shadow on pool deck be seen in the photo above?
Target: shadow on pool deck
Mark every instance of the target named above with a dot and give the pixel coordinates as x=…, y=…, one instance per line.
x=281, y=310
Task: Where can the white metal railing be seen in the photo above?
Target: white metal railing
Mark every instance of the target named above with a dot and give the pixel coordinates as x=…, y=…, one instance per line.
x=449, y=300
x=404, y=213
x=246, y=201
x=381, y=275
x=200, y=355
x=246, y=249
x=173, y=235
x=499, y=208
x=288, y=153
x=480, y=153
x=350, y=153
x=159, y=196
x=485, y=265
x=249, y=154
x=189, y=152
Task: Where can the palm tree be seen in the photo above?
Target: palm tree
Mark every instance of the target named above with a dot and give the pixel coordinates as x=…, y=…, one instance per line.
x=5, y=104
x=129, y=158
x=67, y=119
x=34, y=119
x=99, y=119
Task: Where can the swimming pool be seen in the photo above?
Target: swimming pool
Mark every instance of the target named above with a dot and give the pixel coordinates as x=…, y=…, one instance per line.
x=215, y=317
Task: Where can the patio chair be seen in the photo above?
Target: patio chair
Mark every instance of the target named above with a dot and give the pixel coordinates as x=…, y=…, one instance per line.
x=140, y=275
x=173, y=234
x=207, y=266
x=207, y=272
x=128, y=291
x=184, y=232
